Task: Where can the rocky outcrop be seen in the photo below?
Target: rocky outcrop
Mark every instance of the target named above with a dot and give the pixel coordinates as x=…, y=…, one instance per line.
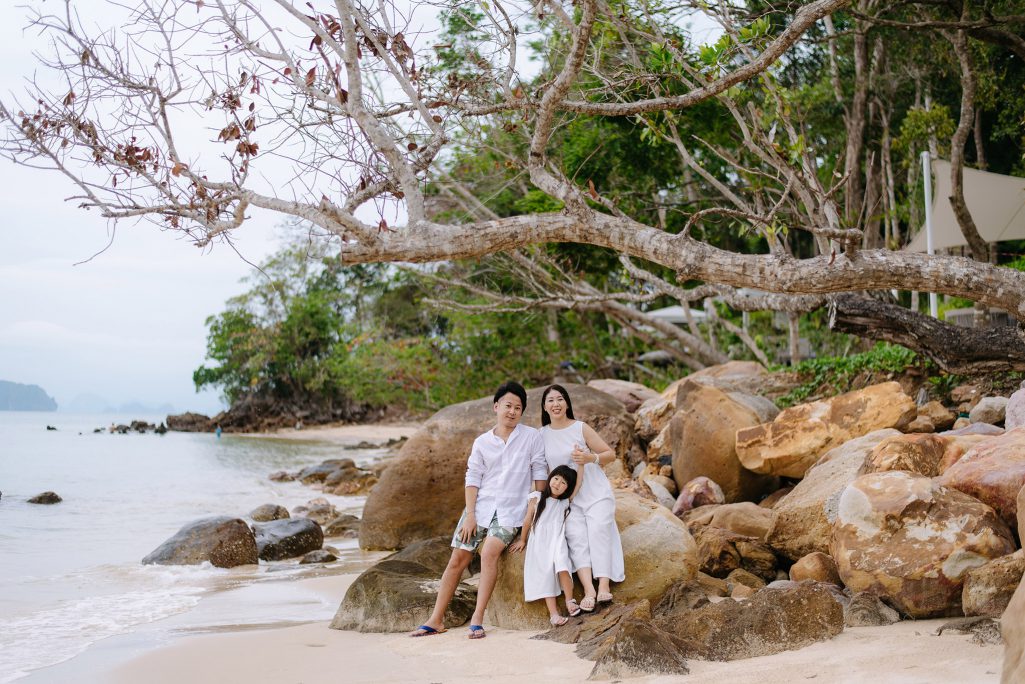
x=397, y=595
x=817, y=567
x=223, y=541
x=190, y=422
x=720, y=552
x=802, y=522
x=268, y=512
x=745, y=518
x=911, y=541
x=657, y=548
x=993, y=472
x=1012, y=626
x=989, y=410
x=988, y=588
x=701, y=491
x=794, y=441
x=46, y=498
x=772, y=620
x=631, y=394
x=702, y=434
x=288, y=538
x=421, y=494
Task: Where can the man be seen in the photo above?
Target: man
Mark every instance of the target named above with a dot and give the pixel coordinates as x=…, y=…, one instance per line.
x=502, y=463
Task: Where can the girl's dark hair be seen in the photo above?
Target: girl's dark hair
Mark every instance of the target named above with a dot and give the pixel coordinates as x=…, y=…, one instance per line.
x=547, y=419
x=570, y=476
x=515, y=388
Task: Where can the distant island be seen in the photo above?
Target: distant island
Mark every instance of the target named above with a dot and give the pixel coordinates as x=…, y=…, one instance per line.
x=17, y=397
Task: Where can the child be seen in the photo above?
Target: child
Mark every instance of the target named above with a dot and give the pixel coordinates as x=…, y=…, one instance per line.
x=546, y=567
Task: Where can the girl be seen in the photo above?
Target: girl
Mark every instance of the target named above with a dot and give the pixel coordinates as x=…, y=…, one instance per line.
x=595, y=549
x=546, y=566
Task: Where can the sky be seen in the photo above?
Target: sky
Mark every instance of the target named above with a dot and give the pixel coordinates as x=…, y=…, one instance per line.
x=127, y=325
x=86, y=311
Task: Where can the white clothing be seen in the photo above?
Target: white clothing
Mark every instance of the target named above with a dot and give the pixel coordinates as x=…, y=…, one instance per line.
x=591, y=531
x=503, y=471
x=547, y=553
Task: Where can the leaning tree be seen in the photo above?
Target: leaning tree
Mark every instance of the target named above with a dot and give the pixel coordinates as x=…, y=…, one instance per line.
x=195, y=114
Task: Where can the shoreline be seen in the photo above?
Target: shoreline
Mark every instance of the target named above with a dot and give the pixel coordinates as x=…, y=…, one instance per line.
x=907, y=652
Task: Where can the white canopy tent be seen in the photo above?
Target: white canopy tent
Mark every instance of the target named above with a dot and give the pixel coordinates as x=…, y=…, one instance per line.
x=996, y=202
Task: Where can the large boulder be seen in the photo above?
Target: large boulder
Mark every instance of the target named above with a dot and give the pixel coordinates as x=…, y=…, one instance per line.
x=993, y=472
x=702, y=434
x=818, y=567
x=190, y=422
x=802, y=522
x=631, y=394
x=772, y=620
x=1012, y=626
x=421, y=494
x=657, y=549
x=917, y=453
x=721, y=552
x=287, y=538
x=937, y=414
x=988, y=588
x=396, y=595
x=744, y=518
x=795, y=440
x=1014, y=412
x=990, y=410
x=910, y=541
x=223, y=541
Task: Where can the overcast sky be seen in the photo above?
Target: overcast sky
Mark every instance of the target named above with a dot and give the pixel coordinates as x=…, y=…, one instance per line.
x=129, y=324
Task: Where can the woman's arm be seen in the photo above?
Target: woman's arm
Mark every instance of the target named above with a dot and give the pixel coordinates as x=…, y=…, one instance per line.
x=602, y=451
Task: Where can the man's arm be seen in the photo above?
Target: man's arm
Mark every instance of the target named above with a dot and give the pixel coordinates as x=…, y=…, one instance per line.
x=528, y=520
x=538, y=463
x=469, y=527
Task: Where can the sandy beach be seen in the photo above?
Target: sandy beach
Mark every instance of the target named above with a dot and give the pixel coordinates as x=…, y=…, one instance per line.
x=905, y=653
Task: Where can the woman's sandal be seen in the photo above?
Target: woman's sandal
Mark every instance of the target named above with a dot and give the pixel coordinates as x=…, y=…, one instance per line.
x=558, y=620
x=587, y=605
x=573, y=608
x=604, y=597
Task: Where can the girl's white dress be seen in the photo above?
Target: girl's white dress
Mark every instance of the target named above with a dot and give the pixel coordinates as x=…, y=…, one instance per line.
x=591, y=532
x=547, y=553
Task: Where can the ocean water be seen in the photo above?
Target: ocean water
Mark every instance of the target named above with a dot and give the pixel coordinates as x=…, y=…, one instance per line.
x=70, y=575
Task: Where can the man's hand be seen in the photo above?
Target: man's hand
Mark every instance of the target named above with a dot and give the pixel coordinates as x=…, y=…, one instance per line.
x=469, y=528
x=518, y=545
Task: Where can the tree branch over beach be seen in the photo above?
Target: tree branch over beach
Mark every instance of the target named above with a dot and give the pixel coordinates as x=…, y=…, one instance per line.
x=195, y=114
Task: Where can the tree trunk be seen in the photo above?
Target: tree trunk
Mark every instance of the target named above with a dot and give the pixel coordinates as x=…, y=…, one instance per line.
x=953, y=348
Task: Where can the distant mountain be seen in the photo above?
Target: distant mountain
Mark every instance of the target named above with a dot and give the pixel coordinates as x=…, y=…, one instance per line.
x=17, y=397
x=86, y=403
x=135, y=407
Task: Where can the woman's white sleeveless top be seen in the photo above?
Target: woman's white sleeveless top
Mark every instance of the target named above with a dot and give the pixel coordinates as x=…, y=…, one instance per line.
x=559, y=451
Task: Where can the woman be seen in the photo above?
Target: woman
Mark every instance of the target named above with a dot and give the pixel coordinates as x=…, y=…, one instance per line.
x=595, y=550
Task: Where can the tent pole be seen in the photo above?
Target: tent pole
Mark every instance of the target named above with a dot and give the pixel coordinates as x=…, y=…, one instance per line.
x=927, y=180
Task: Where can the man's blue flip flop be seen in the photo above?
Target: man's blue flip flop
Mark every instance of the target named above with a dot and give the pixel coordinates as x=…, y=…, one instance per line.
x=477, y=632
x=426, y=630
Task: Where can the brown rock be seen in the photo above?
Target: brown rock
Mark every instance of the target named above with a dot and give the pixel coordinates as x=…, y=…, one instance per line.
x=268, y=512
x=683, y=596
x=803, y=521
x=993, y=472
x=224, y=541
x=770, y=621
x=958, y=446
x=657, y=549
x=741, y=591
x=720, y=552
x=911, y=541
x=1012, y=626
x=742, y=577
x=793, y=442
x=190, y=422
x=700, y=491
x=702, y=435
x=667, y=483
x=866, y=610
x=660, y=447
x=1020, y=502
x=818, y=567
x=653, y=416
x=712, y=586
x=319, y=509
x=1014, y=412
x=920, y=454
x=744, y=518
x=772, y=499
x=920, y=425
x=637, y=648
x=988, y=588
x=421, y=495
x=966, y=393
x=989, y=410
x=939, y=415
x=962, y=423
x=630, y=394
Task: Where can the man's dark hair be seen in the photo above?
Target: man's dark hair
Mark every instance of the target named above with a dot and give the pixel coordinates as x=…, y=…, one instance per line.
x=512, y=387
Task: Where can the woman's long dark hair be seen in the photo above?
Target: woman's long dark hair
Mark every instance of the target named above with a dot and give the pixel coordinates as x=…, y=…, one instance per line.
x=547, y=419
x=570, y=476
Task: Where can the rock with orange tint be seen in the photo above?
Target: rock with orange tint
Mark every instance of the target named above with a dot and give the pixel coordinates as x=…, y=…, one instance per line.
x=939, y=415
x=794, y=441
x=911, y=541
x=817, y=566
x=920, y=454
x=993, y=472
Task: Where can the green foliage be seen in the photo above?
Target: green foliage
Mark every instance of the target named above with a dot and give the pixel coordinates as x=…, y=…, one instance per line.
x=834, y=375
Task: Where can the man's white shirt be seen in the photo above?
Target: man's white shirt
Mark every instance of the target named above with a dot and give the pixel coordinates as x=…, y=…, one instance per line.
x=503, y=472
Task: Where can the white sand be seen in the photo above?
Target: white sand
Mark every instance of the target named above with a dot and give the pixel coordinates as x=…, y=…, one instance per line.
x=905, y=653
x=346, y=435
